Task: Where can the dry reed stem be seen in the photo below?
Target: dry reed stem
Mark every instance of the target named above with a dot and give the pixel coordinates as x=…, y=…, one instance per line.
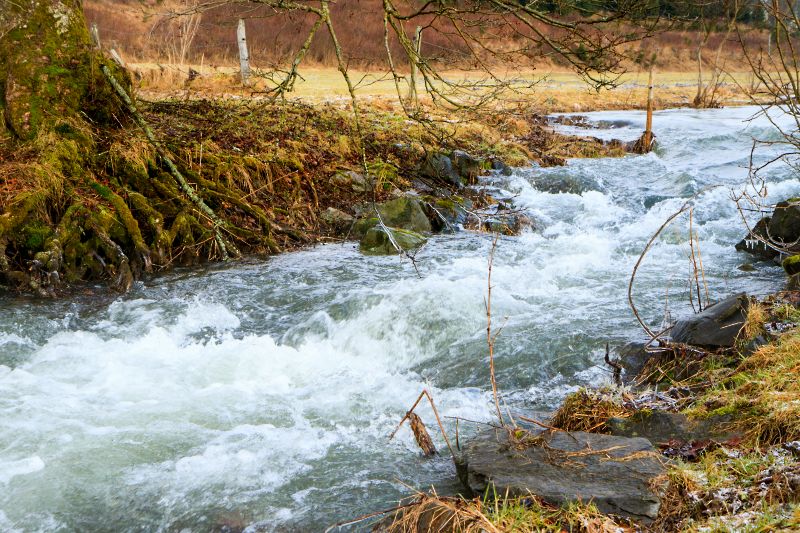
x=489, y=338
x=421, y=435
x=410, y=412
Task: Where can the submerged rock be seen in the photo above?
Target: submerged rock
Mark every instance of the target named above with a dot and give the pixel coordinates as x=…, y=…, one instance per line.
x=614, y=473
x=378, y=242
x=718, y=325
x=508, y=223
x=566, y=183
x=753, y=243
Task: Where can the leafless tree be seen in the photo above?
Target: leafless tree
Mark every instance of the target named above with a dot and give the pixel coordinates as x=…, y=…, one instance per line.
x=777, y=72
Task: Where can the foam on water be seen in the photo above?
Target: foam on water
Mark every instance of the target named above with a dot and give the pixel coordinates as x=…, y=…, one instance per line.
x=262, y=393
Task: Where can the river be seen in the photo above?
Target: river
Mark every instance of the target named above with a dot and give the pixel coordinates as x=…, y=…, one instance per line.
x=262, y=393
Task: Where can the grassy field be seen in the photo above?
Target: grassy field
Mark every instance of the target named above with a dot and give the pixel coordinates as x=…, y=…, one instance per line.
x=554, y=92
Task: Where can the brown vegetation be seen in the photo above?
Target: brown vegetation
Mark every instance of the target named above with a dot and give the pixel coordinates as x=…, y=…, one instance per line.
x=148, y=34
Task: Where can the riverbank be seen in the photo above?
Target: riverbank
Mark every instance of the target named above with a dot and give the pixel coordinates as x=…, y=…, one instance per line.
x=706, y=422
x=280, y=177
x=262, y=392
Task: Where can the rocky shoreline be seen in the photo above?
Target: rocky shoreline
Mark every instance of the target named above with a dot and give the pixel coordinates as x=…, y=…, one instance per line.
x=701, y=431
x=277, y=177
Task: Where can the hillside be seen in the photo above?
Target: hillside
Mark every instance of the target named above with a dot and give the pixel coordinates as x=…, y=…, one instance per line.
x=147, y=33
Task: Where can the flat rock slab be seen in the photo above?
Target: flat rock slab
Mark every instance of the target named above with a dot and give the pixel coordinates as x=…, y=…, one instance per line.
x=614, y=473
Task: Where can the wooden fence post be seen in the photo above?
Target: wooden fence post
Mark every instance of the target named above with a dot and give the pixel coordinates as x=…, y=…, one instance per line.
x=647, y=140
x=244, y=57
x=649, y=124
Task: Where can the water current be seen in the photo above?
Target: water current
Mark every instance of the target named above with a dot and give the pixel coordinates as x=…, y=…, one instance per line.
x=261, y=393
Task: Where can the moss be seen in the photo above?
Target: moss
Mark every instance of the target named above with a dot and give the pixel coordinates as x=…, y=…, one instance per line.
x=723, y=411
x=497, y=513
x=102, y=190
x=377, y=241
x=791, y=264
x=35, y=235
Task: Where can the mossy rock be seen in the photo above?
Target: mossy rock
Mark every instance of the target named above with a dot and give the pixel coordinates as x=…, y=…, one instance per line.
x=405, y=213
x=468, y=167
x=446, y=214
x=792, y=265
x=785, y=223
x=377, y=241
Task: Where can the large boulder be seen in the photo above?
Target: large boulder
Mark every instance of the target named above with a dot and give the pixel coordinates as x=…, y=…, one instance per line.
x=439, y=167
x=718, y=325
x=500, y=167
x=617, y=474
x=784, y=227
x=459, y=168
x=468, y=167
x=337, y=220
x=633, y=357
x=378, y=241
x=405, y=212
x=754, y=242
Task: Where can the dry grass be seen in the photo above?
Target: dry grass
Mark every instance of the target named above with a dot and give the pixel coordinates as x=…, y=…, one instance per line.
x=431, y=513
x=589, y=410
x=558, y=91
x=728, y=490
x=757, y=316
x=762, y=394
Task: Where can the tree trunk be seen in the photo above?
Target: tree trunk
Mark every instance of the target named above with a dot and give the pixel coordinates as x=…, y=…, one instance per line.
x=49, y=70
x=80, y=197
x=58, y=214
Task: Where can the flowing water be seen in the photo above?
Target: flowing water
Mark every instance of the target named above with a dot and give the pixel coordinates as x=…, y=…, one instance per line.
x=262, y=393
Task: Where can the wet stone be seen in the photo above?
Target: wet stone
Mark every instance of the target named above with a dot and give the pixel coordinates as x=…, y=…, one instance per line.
x=615, y=473
x=660, y=427
x=718, y=325
x=377, y=241
x=754, y=242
